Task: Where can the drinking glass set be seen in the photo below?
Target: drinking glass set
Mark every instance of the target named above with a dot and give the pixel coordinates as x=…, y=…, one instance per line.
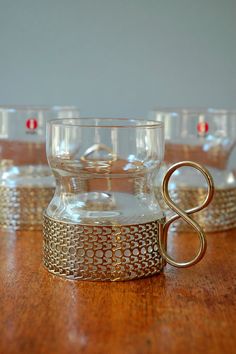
x=106, y=192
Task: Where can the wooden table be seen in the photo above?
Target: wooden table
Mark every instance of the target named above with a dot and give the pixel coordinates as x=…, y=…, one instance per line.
x=180, y=311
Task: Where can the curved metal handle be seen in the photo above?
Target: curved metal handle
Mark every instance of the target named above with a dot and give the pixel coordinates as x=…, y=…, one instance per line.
x=185, y=214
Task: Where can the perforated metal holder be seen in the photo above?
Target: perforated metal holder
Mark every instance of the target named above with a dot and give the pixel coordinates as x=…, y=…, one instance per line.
x=21, y=208
x=119, y=252
x=102, y=252
x=221, y=214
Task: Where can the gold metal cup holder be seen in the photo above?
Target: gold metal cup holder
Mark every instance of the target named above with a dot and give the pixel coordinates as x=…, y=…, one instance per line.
x=21, y=208
x=119, y=252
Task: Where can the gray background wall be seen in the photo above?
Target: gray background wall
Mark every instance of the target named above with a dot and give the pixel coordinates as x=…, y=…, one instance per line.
x=118, y=57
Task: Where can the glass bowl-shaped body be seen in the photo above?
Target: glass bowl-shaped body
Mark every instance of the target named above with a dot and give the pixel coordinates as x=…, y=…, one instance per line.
x=104, y=170
x=26, y=182
x=206, y=136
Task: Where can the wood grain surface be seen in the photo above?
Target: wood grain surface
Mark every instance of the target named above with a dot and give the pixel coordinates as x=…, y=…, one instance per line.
x=180, y=311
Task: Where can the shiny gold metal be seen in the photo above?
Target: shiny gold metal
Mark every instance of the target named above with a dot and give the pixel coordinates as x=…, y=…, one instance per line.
x=102, y=252
x=21, y=208
x=185, y=214
x=118, y=252
x=219, y=216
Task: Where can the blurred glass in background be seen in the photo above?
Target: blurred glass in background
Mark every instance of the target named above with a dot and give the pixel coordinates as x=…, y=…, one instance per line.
x=207, y=136
x=26, y=182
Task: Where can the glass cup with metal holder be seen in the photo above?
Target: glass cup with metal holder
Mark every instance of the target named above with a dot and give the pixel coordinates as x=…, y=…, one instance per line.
x=26, y=181
x=208, y=137
x=104, y=221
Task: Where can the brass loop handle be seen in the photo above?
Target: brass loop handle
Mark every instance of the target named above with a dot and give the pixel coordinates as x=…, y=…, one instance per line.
x=185, y=214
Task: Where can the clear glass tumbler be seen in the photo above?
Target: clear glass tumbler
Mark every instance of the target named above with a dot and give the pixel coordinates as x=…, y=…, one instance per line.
x=104, y=219
x=26, y=181
x=206, y=136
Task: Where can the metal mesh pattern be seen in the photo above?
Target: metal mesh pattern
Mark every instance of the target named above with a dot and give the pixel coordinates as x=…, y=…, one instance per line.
x=110, y=252
x=220, y=214
x=22, y=207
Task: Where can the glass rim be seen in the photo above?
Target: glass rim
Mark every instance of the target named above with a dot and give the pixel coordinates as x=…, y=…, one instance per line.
x=194, y=110
x=29, y=107
x=83, y=122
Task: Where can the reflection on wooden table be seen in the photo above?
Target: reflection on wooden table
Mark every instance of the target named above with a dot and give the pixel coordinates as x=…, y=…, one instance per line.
x=179, y=311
